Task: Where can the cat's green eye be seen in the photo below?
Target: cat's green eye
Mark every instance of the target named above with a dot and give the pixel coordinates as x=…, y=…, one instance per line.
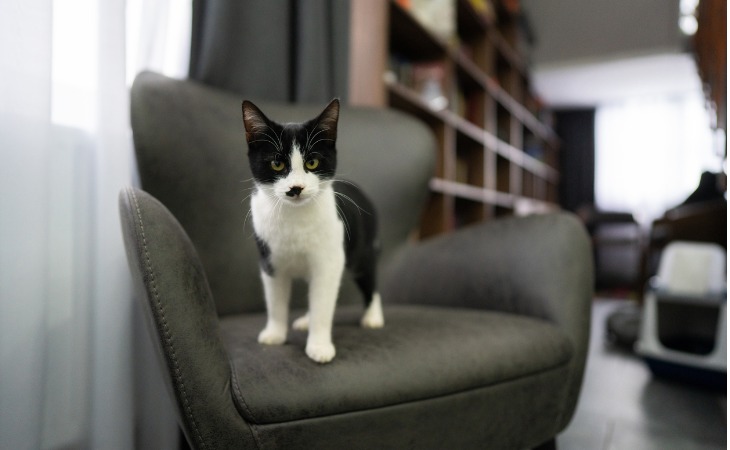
x=312, y=164
x=277, y=165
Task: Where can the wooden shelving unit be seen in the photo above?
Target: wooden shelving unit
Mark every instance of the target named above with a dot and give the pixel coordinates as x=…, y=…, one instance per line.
x=496, y=157
x=710, y=46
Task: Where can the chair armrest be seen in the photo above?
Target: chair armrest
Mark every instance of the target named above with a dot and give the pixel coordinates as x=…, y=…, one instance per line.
x=182, y=319
x=538, y=266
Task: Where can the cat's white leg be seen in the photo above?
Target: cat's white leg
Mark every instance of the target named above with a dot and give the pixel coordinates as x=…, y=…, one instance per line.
x=322, y=299
x=277, y=291
x=302, y=323
x=323, y=290
x=373, y=317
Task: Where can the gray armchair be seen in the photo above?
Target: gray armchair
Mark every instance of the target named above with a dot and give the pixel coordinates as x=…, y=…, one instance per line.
x=486, y=329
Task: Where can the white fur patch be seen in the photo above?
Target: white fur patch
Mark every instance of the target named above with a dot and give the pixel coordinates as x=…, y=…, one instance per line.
x=298, y=177
x=373, y=317
x=306, y=240
x=302, y=323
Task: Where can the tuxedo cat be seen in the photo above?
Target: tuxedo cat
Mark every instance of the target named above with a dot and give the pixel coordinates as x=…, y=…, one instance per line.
x=308, y=226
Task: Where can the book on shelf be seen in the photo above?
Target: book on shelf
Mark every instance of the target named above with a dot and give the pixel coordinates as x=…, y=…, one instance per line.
x=484, y=8
x=533, y=147
x=436, y=16
x=426, y=78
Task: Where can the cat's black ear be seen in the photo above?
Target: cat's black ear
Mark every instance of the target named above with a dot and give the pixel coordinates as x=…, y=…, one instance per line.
x=327, y=120
x=254, y=121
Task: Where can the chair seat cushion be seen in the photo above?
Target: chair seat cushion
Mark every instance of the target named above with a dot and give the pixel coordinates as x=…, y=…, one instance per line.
x=421, y=353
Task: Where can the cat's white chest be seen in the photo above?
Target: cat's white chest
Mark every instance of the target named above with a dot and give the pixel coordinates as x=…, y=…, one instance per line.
x=299, y=237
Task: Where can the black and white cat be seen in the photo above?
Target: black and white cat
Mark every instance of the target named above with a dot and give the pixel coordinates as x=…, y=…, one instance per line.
x=308, y=226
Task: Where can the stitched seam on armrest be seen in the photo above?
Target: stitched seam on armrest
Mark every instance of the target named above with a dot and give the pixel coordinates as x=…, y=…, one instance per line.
x=167, y=335
x=239, y=396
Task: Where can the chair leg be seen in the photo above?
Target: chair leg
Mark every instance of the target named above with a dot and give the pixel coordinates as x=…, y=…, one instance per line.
x=548, y=445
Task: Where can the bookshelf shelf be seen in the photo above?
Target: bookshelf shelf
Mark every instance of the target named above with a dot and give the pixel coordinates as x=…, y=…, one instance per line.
x=495, y=155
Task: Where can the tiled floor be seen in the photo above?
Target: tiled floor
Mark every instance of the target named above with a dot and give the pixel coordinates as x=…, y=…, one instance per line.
x=623, y=407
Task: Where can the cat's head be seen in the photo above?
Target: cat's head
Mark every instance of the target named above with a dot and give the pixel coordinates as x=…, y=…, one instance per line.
x=292, y=161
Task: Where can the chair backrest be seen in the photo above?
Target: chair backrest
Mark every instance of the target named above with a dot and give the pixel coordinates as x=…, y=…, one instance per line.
x=192, y=156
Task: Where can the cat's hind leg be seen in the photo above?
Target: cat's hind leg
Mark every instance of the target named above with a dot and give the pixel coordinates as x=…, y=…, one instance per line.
x=366, y=280
x=302, y=323
x=277, y=291
x=373, y=317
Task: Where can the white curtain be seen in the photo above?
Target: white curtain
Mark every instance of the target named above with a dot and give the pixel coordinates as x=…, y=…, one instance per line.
x=70, y=354
x=650, y=153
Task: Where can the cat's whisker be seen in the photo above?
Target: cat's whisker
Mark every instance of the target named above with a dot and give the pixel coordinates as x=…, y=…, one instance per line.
x=310, y=136
x=359, y=209
x=268, y=127
x=341, y=180
x=279, y=210
x=343, y=218
x=320, y=140
x=271, y=137
x=249, y=188
x=281, y=144
x=245, y=219
x=306, y=143
x=268, y=139
x=310, y=144
x=321, y=130
x=250, y=194
x=344, y=181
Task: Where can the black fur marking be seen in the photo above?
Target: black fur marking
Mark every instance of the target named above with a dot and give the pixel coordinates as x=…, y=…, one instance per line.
x=361, y=241
x=294, y=191
x=265, y=253
x=270, y=141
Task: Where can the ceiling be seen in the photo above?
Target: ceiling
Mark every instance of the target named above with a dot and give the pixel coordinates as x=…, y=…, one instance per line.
x=591, y=52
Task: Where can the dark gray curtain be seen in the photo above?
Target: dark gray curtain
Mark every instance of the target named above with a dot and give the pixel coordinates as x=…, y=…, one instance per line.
x=576, y=129
x=280, y=50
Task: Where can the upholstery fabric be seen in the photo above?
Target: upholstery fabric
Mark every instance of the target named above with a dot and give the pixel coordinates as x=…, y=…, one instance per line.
x=537, y=266
x=184, y=325
x=422, y=353
x=516, y=414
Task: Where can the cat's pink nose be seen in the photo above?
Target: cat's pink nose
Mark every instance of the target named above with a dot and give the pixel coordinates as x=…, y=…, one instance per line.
x=294, y=191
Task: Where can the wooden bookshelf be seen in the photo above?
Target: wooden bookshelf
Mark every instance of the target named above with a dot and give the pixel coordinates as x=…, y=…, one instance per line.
x=496, y=156
x=710, y=47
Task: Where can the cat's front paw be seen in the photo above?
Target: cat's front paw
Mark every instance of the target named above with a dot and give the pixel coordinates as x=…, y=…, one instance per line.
x=321, y=353
x=272, y=336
